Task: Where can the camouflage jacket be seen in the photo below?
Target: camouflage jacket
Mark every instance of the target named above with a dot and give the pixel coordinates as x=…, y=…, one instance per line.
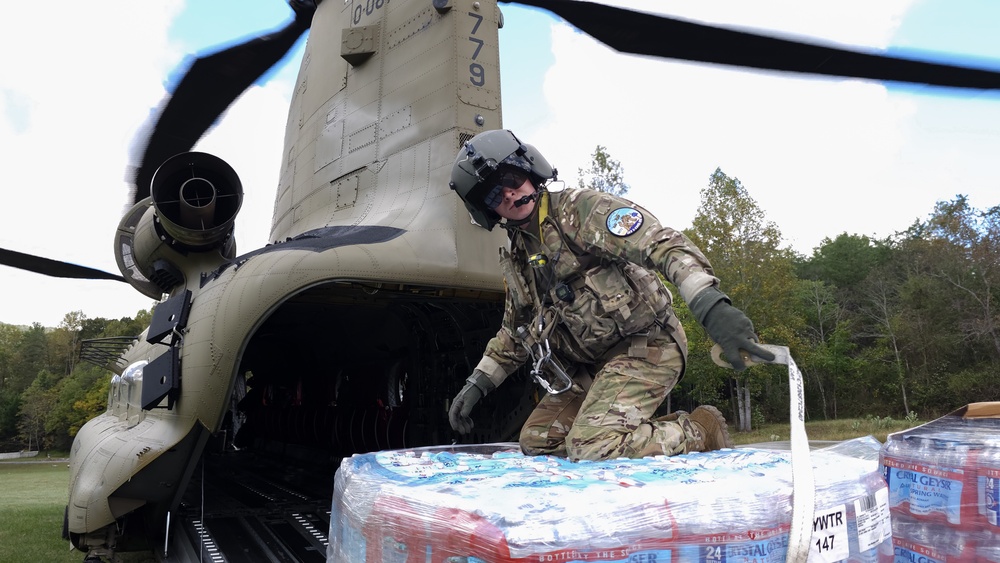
x=586, y=268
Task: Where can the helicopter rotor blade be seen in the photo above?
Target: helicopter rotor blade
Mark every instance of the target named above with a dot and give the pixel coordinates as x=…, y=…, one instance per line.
x=208, y=87
x=642, y=33
x=53, y=268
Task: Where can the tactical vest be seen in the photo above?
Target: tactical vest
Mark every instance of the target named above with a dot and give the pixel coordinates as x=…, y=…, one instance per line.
x=584, y=304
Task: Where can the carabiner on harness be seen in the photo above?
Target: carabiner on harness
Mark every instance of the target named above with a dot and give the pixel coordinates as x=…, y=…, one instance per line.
x=541, y=356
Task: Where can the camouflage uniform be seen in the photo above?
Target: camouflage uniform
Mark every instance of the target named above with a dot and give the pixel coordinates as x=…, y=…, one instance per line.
x=592, y=290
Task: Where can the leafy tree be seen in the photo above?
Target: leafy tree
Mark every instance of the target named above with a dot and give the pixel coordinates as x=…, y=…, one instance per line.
x=93, y=328
x=880, y=309
x=833, y=368
x=925, y=316
x=105, y=328
x=37, y=402
x=10, y=405
x=830, y=300
x=46, y=394
x=968, y=261
x=605, y=174
x=61, y=416
x=93, y=402
x=126, y=326
x=64, y=342
x=745, y=251
x=822, y=315
x=843, y=262
x=820, y=309
x=30, y=359
x=10, y=343
x=79, y=397
x=928, y=334
x=875, y=387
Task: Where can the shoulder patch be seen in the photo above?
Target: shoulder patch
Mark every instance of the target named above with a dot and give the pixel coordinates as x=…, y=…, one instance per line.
x=624, y=221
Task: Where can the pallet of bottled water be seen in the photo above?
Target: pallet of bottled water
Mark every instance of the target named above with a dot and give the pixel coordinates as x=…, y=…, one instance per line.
x=944, y=484
x=492, y=504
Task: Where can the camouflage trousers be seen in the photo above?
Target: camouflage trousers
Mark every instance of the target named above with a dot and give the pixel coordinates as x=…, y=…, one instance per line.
x=613, y=418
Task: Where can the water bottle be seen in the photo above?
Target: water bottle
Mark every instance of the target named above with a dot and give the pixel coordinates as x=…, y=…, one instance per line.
x=932, y=477
x=896, y=456
x=725, y=524
x=960, y=451
x=395, y=532
x=459, y=535
x=988, y=549
x=988, y=487
x=851, y=520
x=922, y=541
x=870, y=528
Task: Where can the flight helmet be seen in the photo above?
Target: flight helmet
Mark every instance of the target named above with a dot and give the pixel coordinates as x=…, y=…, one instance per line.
x=489, y=161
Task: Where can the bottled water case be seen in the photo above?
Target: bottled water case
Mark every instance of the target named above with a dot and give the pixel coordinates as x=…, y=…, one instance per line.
x=492, y=504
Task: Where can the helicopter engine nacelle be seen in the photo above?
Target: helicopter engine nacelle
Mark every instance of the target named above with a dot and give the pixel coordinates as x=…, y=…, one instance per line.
x=196, y=197
x=189, y=217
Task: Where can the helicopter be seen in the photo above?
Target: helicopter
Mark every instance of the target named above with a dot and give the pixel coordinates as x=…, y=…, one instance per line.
x=349, y=333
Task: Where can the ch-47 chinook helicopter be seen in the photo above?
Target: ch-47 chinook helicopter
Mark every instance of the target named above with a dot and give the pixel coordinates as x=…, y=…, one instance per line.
x=260, y=371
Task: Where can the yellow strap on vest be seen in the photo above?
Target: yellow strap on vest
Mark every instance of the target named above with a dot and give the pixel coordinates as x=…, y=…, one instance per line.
x=543, y=212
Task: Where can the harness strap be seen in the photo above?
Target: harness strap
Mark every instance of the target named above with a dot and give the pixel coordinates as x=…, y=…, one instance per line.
x=639, y=345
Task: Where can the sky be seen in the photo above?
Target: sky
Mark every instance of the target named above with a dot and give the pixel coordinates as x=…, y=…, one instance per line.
x=820, y=156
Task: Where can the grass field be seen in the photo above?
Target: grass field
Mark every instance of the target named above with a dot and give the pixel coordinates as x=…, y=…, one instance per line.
x=836, y=430
x=33, y=495
x=32, y=504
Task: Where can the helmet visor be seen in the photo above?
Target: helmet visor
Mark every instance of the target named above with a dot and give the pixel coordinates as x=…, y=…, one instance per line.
x=512, y=179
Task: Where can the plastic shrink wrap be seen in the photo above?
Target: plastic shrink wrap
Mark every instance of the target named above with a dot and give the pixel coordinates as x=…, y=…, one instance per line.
x=492, y=504
x=944, y=484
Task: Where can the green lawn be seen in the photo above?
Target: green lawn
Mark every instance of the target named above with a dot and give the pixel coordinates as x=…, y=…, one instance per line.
x=32, y=504
x=837, y=430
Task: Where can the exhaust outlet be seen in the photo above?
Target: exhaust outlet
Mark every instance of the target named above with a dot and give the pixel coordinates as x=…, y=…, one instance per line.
x=197, y=204
x=196, y=196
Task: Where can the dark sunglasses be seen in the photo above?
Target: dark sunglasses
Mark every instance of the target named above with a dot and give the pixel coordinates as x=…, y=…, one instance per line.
x=507, y=179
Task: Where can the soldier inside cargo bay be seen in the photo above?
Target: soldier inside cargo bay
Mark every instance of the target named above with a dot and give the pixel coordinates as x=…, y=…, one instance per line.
x=587, y=310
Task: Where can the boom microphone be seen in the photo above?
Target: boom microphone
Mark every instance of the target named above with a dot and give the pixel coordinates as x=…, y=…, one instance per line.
x=526, y=199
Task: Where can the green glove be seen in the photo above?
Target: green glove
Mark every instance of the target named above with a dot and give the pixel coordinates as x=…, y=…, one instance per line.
x=727, y=326
x=477, y=386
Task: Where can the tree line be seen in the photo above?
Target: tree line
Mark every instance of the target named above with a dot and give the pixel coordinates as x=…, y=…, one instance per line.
x=46, y=392
x=902, y=326
x=905, y=326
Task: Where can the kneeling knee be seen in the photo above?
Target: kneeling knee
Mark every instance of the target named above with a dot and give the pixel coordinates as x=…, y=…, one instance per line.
x=534, y=442
x=595, y=446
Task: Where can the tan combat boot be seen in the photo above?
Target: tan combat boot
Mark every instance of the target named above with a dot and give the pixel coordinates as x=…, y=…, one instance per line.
x=672, y=417
x=710, y=430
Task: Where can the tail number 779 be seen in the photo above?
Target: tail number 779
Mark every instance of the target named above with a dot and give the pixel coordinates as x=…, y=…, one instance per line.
x=477, y=75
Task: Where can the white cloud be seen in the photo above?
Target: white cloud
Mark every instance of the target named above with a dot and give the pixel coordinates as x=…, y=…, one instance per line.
x=820, y=156
x=71, y=104
x=847, y=22
x=251, y=138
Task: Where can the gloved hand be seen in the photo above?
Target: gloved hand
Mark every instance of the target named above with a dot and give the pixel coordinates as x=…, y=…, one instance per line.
x=477, y=386
x=732, y=330
x=728, y=327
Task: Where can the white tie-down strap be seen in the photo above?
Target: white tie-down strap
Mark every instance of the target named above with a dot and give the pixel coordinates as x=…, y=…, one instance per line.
x=803, y=484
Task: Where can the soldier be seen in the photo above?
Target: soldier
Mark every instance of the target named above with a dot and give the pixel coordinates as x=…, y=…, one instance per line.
x=585, y=306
